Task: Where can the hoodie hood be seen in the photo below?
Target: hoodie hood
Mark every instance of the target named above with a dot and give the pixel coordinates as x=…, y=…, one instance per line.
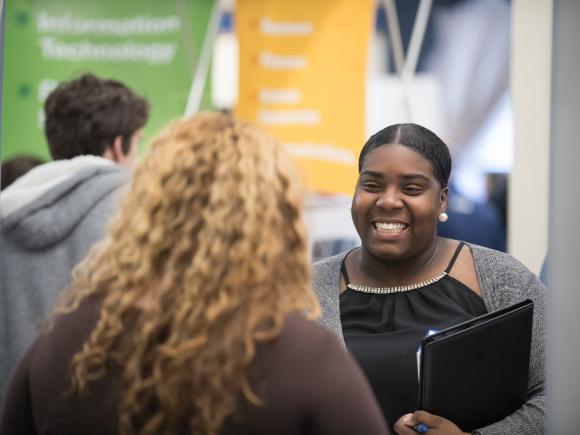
x=46, y=204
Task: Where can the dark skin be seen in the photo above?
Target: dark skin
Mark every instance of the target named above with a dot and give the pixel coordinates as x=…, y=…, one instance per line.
x=395, y=210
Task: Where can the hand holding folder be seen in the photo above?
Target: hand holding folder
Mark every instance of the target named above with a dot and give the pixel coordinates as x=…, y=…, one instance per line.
x=476, y=373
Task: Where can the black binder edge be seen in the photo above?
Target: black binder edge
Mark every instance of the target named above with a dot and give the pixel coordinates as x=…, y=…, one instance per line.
x=465, y=326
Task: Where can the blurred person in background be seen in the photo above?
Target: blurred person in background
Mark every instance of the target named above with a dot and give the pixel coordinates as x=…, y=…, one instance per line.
x=478, y=223
x=497, y=193
x=404, y=280
x=192, y=315
x=52, y=215
x=16, y=167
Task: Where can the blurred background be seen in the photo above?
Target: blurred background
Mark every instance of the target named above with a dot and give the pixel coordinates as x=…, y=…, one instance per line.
x=321, y=76
x=496, y=79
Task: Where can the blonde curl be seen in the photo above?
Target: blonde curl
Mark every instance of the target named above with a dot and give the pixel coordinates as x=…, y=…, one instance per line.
x=206, y=257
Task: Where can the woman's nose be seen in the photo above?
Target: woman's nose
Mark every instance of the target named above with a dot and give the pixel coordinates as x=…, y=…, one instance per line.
x=389, y=199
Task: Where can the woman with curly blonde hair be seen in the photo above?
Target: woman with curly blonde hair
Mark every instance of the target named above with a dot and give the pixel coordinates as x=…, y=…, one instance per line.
x=189, y=318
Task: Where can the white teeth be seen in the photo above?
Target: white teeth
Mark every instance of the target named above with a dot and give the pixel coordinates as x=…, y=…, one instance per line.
x=393, y=227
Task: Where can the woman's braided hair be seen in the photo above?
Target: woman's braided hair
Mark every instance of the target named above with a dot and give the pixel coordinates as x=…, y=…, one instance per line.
x=417, y=138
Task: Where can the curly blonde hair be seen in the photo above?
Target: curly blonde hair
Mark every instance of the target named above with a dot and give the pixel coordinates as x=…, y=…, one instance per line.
x=204, y=261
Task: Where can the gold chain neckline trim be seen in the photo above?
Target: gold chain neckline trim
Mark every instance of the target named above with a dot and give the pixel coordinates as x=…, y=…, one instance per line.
x=397, y=289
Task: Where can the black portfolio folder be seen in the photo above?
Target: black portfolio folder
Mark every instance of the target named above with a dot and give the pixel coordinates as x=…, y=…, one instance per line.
x=476, y=373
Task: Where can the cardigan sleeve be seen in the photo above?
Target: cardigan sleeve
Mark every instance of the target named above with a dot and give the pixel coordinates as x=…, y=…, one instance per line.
x=505, y=281
x=325, y=279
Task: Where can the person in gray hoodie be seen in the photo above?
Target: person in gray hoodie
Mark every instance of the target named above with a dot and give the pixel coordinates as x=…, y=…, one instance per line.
x=52, y=215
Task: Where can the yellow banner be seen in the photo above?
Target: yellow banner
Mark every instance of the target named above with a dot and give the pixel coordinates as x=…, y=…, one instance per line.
x=302, y=77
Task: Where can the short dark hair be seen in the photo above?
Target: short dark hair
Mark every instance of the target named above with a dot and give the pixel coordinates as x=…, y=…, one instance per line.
x=85, y=115
x=15, y=167
x=417, y=138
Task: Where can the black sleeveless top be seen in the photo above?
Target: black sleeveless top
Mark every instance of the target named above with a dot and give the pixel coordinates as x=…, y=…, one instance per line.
x=384, y=331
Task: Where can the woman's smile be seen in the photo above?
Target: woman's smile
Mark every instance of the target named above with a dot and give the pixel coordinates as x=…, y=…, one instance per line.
x=389, y=230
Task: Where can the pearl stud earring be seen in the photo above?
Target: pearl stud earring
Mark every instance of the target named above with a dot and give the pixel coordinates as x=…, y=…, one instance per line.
x=443, y=217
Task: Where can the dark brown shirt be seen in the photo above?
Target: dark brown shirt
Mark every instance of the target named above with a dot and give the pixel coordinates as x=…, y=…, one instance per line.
x=311, y=385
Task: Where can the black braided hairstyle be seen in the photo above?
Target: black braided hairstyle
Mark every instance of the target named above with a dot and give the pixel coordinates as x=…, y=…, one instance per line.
x=417, y=138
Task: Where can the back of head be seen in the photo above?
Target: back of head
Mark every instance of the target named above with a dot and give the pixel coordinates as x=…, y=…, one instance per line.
x=85, y=115
x=17, y=166
x=211, y=237
x=417, y=138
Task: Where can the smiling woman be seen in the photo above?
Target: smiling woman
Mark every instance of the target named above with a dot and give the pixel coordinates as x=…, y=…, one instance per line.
x=405, y=280
x=397, y=202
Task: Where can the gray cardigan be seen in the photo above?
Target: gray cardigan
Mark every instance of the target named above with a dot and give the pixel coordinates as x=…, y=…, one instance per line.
x=503, y=281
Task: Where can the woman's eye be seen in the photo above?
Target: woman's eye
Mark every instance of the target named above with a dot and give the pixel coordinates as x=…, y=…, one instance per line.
x=413, y=190
x=369, y=185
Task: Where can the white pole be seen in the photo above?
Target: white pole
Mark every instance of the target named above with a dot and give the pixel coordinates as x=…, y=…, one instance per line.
x=225, y=68
x=417, y=37
x=406, y=67
x=200, y=76
x=395, y=35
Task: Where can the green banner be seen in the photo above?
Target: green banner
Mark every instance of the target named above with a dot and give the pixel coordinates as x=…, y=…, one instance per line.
x=150, y=45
